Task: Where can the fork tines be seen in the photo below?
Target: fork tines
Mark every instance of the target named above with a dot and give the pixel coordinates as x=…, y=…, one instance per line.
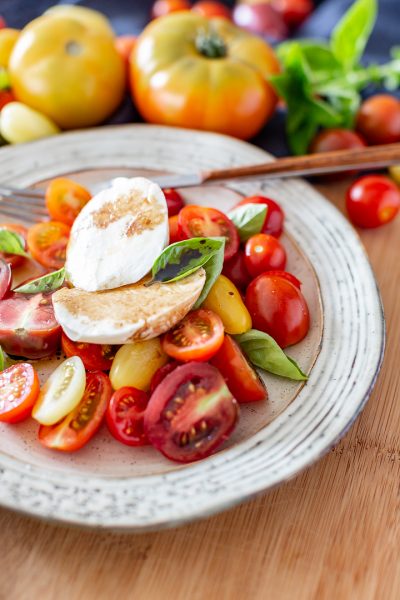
x=23, y=204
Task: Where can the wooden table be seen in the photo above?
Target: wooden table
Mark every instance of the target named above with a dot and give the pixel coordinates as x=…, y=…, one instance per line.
x=331, y=533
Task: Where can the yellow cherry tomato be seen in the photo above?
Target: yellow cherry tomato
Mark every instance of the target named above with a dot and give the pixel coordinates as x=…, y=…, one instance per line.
x=20, y=123
x=135, y=364
x=225, y=300
x=8, y=38
x=395, y=173
x=87, y=16
x=67, y=70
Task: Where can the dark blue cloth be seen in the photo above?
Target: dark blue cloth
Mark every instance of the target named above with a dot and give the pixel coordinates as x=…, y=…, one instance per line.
x=130, y=16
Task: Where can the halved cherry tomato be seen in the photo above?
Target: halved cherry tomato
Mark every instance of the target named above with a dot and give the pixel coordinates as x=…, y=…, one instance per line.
x=378, y=119
x=198, y=221
x=13, y=259
x=165, y=7
x=209, y=9
x=191, y=414
x=240, y=377
x=273, y=224
x=161, y=374
x=80, y=425
x=235, y=269
x=19, y=389
x=286, y=275
x=174, y=201
x=5, y=278
x=264, y=252
x=125, y=414
x=175, y=233
x=278, y=308
x=28, y=326
x=65, y=199
x=47, y=242
x=372, y=201
x=95, y=357
x=197, y=337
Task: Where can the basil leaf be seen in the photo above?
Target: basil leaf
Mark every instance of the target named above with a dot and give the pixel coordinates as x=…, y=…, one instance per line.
x=263, y=352
x=11, y=243
x=351, y=34
x=46, y=283
x=183, y=258
x=249, y=219
x=213, y=269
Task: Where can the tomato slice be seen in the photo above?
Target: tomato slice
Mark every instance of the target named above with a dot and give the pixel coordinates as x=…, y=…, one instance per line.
x=13, y=259
x=161, y=374
x=191, y=414
x=80, y=425
x=198, y=221
x=197, y=337
x=95, y=357
x=240, y=377
x=47, y=242
x=174, y=201
x=19, y=389
x=125, y=416
x=273, y=224
x=5, y=278
x=65, y=199
x=28, y=326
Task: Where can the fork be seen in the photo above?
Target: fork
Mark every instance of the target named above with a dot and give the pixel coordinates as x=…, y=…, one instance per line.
x=23, y=204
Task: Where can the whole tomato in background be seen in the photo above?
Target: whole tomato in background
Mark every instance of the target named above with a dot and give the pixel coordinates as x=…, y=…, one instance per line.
x=216, y=81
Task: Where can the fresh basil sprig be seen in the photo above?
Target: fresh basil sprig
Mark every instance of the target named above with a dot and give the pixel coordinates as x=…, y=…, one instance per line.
x=46, y=283
x=263, y=352
x=248, y=219
x=11, y=243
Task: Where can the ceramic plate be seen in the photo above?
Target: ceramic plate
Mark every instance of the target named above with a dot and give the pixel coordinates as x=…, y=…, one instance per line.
x=108, y=485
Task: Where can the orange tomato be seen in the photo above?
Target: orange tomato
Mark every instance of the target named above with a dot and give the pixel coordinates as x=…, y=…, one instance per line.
x=65, y=199
x=47, y=242
x=201, y=73
x=212, y=9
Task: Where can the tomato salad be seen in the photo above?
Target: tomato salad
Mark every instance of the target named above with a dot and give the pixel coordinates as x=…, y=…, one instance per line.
x=180, y=388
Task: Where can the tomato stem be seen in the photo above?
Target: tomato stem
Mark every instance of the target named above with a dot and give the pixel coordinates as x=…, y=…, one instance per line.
x=211, y=45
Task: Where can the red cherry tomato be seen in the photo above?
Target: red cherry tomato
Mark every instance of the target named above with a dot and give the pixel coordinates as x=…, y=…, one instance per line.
x=197, y=337
x=95, y=357
x=6, y=96
x=13, y=259
x=175, y=233
x=165, y=7
x=5, y=278
x=210, y=9
x=330, y=140
x=191, y=414
x=235, y=269
x=372, y=201
x=293, y=12
x=378, y=119
x=19, y=389
x=174, y=200
x=28, y=326
x=2, y=22
x=161, y=374
x=273, y=224
x=241, y=379
x=278, y=308
x=261, y=19
x=264, y=253
x=286, y=275
x=197, y=221
x=125, y=416
x=47, y=242
x=77, y=428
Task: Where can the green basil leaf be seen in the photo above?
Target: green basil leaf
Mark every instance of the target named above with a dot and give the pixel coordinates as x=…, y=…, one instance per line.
x=351, y=34
x=249, y=219
x=263, y=352
x=11, y=243
x=46, y=283
x=183, y=258
x=213, y=269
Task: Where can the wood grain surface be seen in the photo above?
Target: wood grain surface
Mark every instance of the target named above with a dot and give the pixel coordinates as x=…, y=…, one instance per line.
x=331, y=533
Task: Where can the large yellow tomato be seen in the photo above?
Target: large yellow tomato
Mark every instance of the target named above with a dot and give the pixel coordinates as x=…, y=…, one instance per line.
x=92, y=18
x=68, y=70
x=190, y=71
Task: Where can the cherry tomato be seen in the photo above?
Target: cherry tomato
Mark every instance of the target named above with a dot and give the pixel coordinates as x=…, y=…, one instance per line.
x=261, y=19
x=210, y=9
x=5, y=278
x=124, y=45
x=278, y=308
x=330, y=140
x=191, y=414
x=80, y=425
x=378, y=119
x=2, y=22
x=13, y=259
x=197, y=337
x=264, y=252
x=19, y=389
x=197, y=221
x=174, y=201
x=6, y=96
x=28, y=326
x=293, y=12
x=165, y=7
x=241, y=379
x=273, y=224
x=175, y=233
x=65, y=199
x=125, y=414
x=135, y=364
x=161, y=374
x=95, y=357
x=235, y=269
x=224, y=300
x=286, y=275
x=47, y=242
x=372, y=201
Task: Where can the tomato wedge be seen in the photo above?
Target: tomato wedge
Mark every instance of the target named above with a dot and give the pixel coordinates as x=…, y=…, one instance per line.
x=240, y=377
x=198, y=221
x=95, y=357
x=197, y=337
x=80, y=425
x=5, y=278
x=65, y=199
x=19, y=389
x=191, y=414
x=13, y=259
x=125, y=414
x=47, y=242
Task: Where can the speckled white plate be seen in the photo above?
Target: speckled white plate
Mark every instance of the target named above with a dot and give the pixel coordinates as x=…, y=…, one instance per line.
x=108, y=485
